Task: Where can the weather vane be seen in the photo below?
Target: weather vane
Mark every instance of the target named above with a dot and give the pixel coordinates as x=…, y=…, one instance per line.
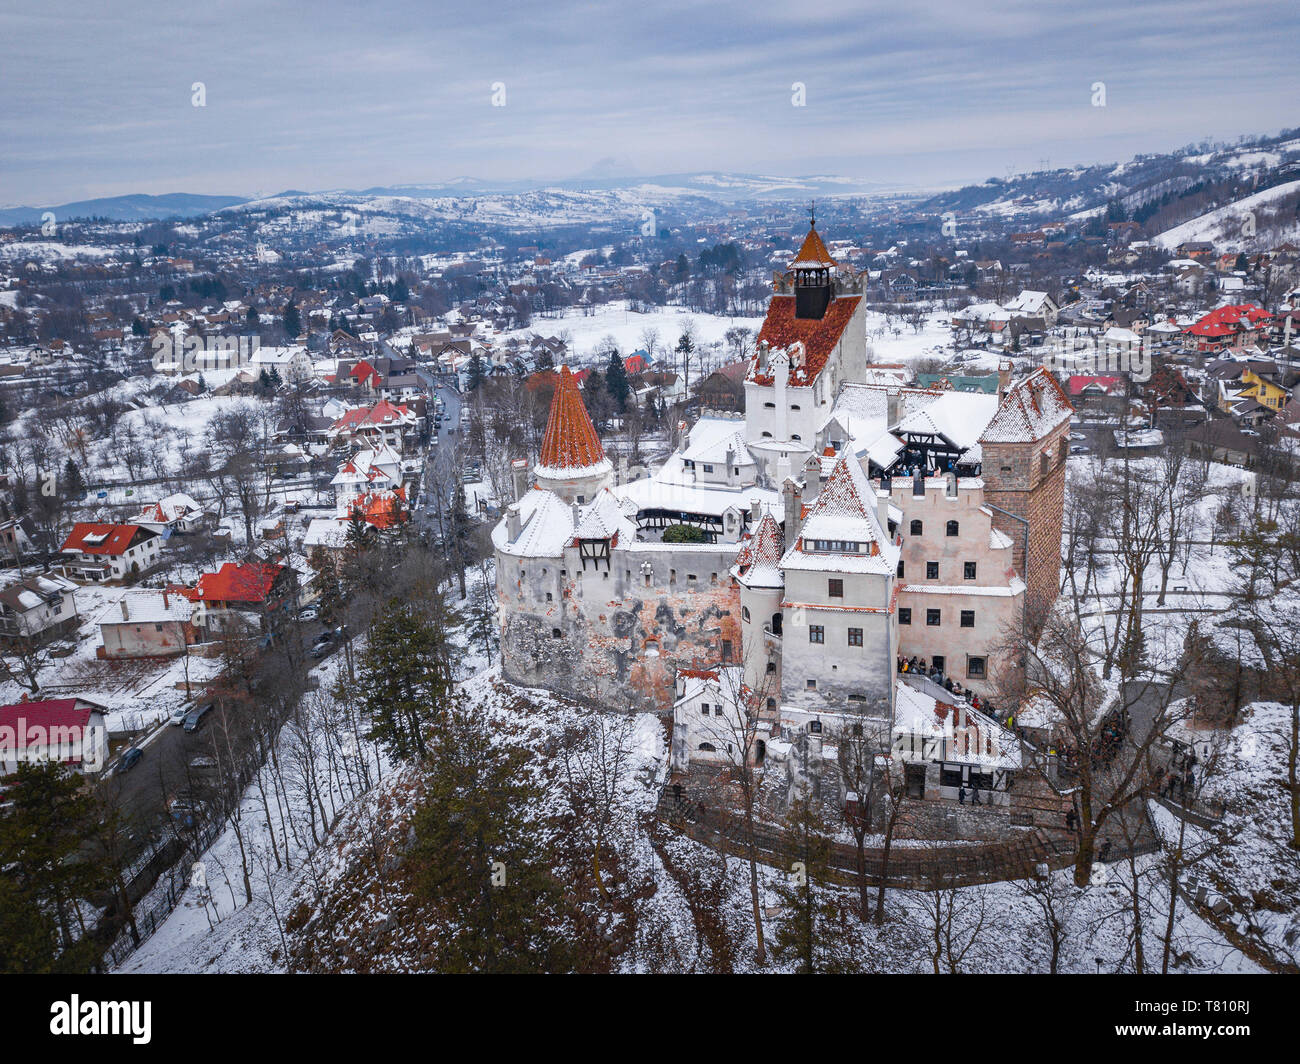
x=812, y=214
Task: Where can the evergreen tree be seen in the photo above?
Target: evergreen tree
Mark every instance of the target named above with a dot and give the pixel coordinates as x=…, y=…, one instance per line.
x=74, y=485
x=40, y=852
x=477, y=372
x=406, y=676
x=292, y=323
x=480, y=859
x=616, y=381
x=252, y=316
x=803, y=933
x=329, y=605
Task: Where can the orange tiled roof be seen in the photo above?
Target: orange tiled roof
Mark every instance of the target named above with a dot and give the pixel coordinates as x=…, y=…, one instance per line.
x=570, y=441
x=818, y=336
x=813, y=252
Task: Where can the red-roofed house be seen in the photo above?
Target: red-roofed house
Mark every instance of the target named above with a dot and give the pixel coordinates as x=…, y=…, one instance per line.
x=384, y=423
x=1229, y=326
x=95, y=552
x=239, y=592
x=67, y=730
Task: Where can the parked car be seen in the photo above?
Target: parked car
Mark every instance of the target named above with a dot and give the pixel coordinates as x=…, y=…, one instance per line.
x=179, y=714
x=129, y=759
x=203, y=761
x=195, y=716
x=308, y=613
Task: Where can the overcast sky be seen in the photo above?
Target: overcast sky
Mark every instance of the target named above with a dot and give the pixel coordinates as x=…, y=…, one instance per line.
x=97, y=97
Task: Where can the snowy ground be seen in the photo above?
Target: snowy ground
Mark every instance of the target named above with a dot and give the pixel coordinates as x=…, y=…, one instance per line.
x=586, y=331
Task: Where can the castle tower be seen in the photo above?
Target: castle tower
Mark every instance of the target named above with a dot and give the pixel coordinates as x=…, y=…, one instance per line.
x=1024, y=450
x=813, y=339
x=812, y=277
x=757, y=571
x=572, y=463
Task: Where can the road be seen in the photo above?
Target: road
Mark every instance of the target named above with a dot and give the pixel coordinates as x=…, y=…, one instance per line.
x=164, y=770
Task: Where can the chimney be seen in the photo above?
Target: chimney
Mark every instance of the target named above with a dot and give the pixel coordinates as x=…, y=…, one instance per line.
x=793, y=510
x=882, y=506
x=893, y=408
x=519, y=477
x=126, y=615
x=755, y=512
x=1004, y=379
x=166, y=602
x=512, y=522
x=577, y=514
x=812, y=476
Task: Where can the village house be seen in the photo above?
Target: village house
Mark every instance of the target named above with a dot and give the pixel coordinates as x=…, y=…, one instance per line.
x=70, y=731
x=240, y=596
x=97, y=552
x=147, y=624
x=38, y=608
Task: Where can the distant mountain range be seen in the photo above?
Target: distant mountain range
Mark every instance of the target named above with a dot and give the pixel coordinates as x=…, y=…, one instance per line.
x=602, y=193
x=710, y=185
x=1145, y=179
x=134, y=208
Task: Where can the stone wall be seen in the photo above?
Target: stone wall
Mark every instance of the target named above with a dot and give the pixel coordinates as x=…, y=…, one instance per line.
x=616, y=635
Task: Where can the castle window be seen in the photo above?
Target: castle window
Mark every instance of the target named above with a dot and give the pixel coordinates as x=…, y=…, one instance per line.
x=795, y=436
x=704, y=708
x=816, y=633
x=555, y=633
x=835, y=588
x=771, y=667
x=916, y=528
x=815, y=726
x=904, y=615
x=810, y=685
x=932, y=570
x=708, y=748
x=726, y=650
x=968, y=618
x=795, y=406
x=900, y=568
x=550, y=597
x=581, y=499
x=975, y=668
x=767, y=435
x=744, y=614
x=769, y=406
x=855, y=637
x=771, y=703
x=952, y=528
x=968, y=570
x=708, y=468
x=932, y=618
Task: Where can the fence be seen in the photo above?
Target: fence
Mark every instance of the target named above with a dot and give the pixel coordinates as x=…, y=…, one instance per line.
x=175, y=855
x=911, y=867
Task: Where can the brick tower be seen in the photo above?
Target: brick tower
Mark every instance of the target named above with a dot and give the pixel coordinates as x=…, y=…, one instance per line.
x=1024, y=450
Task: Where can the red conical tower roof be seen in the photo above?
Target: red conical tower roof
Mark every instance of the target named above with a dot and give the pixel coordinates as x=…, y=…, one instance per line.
x=813, y=252
x=570, y=443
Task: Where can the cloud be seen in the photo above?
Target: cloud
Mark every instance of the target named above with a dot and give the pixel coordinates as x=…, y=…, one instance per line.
x=331, y=95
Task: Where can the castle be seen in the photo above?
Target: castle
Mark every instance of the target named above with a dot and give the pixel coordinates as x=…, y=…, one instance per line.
x=840, y=527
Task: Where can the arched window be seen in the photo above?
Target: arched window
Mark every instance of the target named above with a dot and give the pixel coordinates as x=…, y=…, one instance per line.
x=767, y=435
x=796, y=436
x=952, y=528
x=708, y=748
x=744, y=613
x=916, y=528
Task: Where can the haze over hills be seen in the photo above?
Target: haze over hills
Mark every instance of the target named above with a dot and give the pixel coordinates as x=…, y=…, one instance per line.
x=606, y=192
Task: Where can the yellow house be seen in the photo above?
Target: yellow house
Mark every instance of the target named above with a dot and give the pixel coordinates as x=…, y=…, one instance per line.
x=1264, y=392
